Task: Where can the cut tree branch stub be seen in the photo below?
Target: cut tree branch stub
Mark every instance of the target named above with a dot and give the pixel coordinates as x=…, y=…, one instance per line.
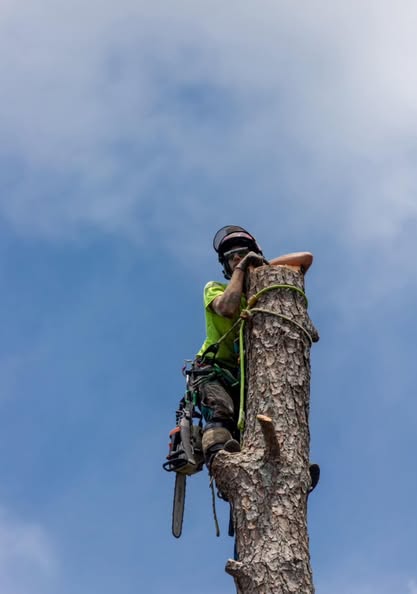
x=270, y=437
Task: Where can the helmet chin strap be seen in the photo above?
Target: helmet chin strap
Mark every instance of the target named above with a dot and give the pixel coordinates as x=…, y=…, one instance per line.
x=227, y=275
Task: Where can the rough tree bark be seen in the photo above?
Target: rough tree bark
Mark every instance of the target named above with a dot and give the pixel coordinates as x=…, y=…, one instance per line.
x=267, y=483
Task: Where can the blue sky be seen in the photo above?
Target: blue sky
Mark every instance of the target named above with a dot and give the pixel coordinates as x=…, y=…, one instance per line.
x=130, y=133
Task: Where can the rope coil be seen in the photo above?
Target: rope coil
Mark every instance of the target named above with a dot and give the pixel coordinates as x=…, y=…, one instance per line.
x=246, y=314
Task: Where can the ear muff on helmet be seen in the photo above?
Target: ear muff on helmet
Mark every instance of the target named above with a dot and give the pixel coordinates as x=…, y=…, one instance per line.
x=229, y=237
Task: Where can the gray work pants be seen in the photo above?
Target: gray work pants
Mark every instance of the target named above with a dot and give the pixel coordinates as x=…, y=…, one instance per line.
x=218, y=399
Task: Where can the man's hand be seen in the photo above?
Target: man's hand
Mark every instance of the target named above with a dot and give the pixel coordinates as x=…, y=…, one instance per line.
x=228, y=304
x=251, y=259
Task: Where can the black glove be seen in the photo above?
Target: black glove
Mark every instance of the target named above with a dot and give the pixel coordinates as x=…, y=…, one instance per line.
x=252, y=259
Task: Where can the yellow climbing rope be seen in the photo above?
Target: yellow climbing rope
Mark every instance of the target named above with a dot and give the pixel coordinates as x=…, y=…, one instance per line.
x=244, y=315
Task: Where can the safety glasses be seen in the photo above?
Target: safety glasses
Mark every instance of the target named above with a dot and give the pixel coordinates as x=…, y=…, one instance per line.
x=240, y=251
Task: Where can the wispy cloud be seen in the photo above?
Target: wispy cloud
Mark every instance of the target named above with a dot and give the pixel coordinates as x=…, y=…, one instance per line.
x=108, y=116
x=26, y=555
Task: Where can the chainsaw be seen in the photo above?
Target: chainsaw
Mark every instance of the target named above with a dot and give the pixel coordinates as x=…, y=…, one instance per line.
x=185, y=454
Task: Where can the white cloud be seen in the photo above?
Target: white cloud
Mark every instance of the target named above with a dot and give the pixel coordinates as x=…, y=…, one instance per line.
x=109, y=111
x=26, y=556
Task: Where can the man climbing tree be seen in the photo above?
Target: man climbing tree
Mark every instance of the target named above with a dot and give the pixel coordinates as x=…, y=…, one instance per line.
x=219, y=388
x=258, y=465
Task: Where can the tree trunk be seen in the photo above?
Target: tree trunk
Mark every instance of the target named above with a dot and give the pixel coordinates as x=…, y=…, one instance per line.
x=267, y=483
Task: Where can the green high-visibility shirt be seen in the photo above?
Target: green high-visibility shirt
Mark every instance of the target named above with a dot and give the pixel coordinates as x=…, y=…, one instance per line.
x=217, y=326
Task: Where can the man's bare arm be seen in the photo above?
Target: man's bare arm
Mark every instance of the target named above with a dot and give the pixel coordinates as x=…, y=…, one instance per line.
x=301, y=259
x=228, y=304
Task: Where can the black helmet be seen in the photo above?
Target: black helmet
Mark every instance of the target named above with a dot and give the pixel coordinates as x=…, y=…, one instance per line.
x=231, y=236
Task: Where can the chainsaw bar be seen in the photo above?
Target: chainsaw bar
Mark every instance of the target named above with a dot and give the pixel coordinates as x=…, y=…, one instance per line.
x=179, y=501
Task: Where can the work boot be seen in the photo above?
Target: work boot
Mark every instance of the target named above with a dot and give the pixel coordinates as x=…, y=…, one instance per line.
x=215, y=438
x=232, y=446
x=314, y=476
